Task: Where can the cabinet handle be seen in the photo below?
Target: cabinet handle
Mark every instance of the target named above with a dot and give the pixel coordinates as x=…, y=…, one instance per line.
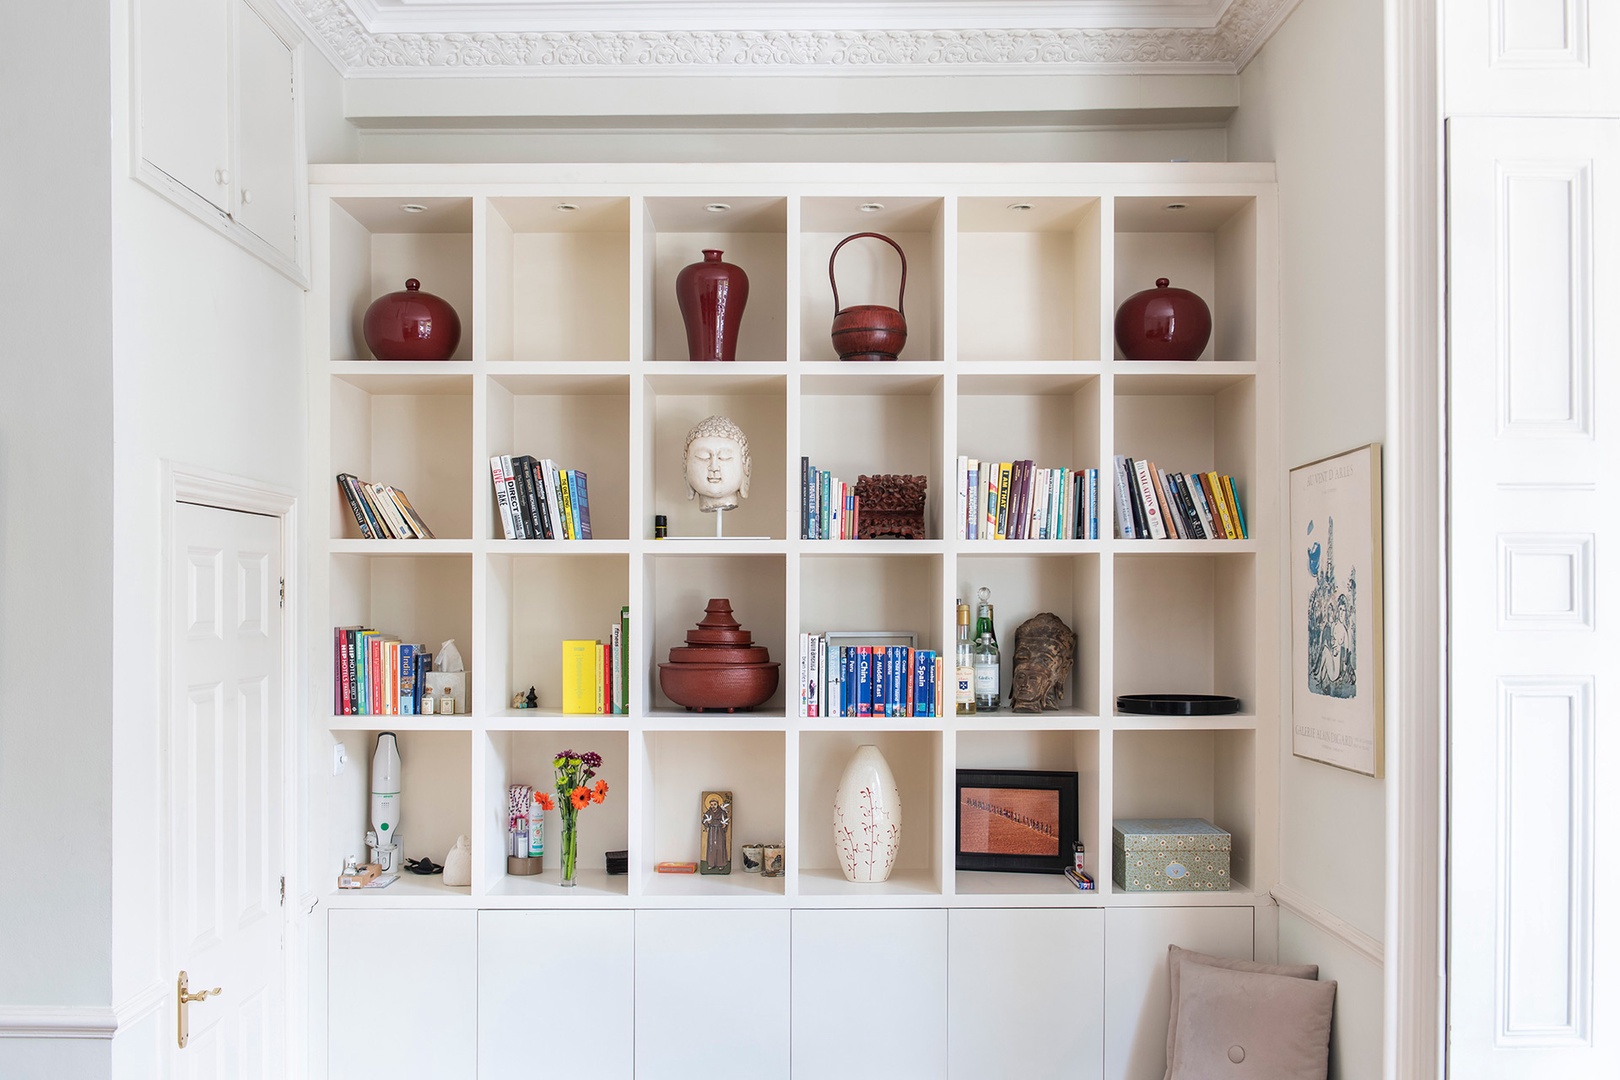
x=222, y=176
x=247, y=196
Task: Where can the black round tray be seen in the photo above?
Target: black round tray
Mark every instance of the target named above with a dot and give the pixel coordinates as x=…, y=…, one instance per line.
x=1178, y=704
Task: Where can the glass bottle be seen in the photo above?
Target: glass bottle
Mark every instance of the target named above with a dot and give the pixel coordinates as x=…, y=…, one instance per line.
x=965, y=705
x=986, y=657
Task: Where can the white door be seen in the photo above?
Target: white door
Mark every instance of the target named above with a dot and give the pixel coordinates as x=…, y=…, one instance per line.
x=226, y=793
x=1534, y=223
x=266, y=189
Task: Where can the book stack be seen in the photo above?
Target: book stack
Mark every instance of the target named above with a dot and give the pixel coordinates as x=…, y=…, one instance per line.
x=538, y=500
x=595, y=675
x=374, y=674
x=868, y=680
x=828, y=508
x=1018, y=500
x=1158, y=505
x=382, y=512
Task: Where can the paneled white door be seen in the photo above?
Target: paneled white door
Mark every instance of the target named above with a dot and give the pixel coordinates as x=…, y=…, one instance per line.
x=225, y=792
x=1534, y=239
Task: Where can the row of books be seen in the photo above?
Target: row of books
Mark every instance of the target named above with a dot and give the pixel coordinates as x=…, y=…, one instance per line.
x=382, y=512
x=540, y=501
x=869, y=680
x=1158, y=505
x=374, y=674
x=828, y=508
x=595, y=678
x=1018, y=500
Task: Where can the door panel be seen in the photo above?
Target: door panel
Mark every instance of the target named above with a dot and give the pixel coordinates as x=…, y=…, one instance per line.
x=266, y=191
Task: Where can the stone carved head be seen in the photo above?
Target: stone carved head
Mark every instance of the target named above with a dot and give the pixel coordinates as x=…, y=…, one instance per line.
x=717, y=464
x=1043, y=656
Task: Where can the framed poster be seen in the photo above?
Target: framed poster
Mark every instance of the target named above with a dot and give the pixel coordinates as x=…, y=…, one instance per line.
x=1016, y=819
x=1335, y=555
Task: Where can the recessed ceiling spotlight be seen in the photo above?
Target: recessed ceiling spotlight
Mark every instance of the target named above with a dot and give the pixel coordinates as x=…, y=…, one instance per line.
x=718, y=207
x=871, y=207
x=1020, y=207
x=414, y=208
x=566, y=207
x=1175, y=206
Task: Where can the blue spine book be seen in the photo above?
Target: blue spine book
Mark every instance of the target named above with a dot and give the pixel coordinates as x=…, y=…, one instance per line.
x=582, y=502
x=925, y=683
x=880, y=680
x=407, y=679
x=849, y=662
x=863, y=698
x=424, y=664
x=815, y=503
x=902, y=680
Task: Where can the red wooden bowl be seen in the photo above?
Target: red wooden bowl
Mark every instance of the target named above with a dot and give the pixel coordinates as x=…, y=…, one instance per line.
x=720, y=654
x=719, y=687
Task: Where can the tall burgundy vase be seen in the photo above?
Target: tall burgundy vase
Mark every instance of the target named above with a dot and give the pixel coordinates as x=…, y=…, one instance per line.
x=712, y=296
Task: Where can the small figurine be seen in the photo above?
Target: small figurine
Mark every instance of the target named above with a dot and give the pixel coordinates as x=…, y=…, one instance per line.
x=531, y=700
x=1043, y=656
x=518, y=701
x=716, y=832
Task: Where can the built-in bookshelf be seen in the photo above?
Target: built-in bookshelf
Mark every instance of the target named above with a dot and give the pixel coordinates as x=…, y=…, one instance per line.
x=573, y=350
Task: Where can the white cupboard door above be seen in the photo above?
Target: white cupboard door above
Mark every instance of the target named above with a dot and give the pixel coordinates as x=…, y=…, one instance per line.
x=266, y=180
x=185, y=111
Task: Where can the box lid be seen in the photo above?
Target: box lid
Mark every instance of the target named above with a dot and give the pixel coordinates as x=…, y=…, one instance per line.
x=1170, y=834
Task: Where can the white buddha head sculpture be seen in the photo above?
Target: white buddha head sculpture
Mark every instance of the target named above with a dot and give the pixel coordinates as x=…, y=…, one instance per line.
x=717, y=464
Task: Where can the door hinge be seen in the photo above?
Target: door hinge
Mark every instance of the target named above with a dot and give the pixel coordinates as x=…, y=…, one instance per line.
x=284, y=890
x=283, y=592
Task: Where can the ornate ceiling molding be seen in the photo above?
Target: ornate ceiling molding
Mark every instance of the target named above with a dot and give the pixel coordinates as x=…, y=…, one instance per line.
x=1221, y=49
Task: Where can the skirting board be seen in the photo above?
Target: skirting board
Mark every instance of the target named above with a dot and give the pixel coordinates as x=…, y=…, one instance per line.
x=1303, y=907
x=57, y=1022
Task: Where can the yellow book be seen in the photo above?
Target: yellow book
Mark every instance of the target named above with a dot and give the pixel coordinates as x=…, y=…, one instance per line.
x=1003, y=497
x=1232, y=505
x=579, y=676
x=1227, y=521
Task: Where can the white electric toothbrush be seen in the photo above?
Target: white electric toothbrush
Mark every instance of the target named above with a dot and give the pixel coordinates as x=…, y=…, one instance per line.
x=383, y=839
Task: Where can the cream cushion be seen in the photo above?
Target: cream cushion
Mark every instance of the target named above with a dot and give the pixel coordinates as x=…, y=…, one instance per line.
x=1247, y=1025
x=1178, y=956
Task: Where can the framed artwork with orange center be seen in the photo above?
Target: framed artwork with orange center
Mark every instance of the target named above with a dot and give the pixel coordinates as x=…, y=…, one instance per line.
x=1017, y=819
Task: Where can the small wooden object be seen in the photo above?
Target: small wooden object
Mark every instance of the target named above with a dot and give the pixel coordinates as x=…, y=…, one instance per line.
x=891, y=507
x=675, y=867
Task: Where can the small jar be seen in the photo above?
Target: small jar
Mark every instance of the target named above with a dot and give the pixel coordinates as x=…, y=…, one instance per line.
x=447, y=703
x=428, y=704
x=773, y=857
x=753, y=856
x=660, y=527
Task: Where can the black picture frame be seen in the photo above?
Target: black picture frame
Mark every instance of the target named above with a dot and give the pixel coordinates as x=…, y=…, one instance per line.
x=1067, y=786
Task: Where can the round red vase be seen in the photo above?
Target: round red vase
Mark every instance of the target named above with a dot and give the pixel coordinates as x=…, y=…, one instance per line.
x=712, y=295
x=411, y=325
x=1162, y=324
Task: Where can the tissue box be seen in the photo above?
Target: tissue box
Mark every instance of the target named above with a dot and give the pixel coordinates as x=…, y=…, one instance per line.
x=1171, y=855
x=437, y=681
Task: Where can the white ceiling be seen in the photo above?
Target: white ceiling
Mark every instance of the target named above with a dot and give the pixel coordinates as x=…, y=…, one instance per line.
x=397, y=38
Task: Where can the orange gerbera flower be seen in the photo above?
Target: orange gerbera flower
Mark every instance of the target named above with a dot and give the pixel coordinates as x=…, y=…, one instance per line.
x=546, y=801
x=601, y=789
x=581, y=798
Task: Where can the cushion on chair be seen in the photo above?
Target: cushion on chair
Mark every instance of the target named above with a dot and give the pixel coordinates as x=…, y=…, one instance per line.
x=1178, y=955
x=1246, y=1025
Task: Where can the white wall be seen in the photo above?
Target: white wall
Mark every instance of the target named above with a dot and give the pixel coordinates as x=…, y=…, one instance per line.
x=1312, y=100
x=56, y=540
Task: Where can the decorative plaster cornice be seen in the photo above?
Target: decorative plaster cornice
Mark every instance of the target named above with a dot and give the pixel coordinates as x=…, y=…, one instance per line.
x=1222, y=49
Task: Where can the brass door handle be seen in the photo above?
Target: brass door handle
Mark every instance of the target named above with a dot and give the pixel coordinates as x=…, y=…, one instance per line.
x=185, y=997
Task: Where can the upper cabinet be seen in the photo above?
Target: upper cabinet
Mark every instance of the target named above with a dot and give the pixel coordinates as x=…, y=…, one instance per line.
x=217, y=121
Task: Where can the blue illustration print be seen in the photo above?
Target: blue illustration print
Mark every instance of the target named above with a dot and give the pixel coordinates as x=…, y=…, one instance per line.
x=1330, y=621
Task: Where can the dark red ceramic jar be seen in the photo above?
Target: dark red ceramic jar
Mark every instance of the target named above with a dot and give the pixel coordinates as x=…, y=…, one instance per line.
x=1162, y=324
x=712, y=295
x=412, y=325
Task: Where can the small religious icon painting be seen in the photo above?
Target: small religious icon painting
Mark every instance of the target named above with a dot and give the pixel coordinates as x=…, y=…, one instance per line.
x=715, y=839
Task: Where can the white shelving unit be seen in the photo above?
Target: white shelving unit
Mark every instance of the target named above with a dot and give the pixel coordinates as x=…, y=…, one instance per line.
x=573, y=349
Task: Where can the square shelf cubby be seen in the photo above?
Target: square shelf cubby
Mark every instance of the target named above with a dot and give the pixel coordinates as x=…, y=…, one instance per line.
x=533, y=603
x=876, y=420
x=755, y=403
x=1030, y=285
x=916, y=759
x=678, y=587
x=435, y=805
x=579, y=421
x=410, y=432
x=1005, y=749
x=750, y=232
x=1051, y=420
x=557, y=270
x=1023, y=586
x=1186, y=624
x=1207, y=244
x=526, y=757
x=680, y=766
x=420, y=599
x=868, y=271
x=376, y=244
x=1186, y=774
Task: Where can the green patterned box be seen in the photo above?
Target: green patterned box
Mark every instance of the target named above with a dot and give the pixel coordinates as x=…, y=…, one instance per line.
x=1171, y=855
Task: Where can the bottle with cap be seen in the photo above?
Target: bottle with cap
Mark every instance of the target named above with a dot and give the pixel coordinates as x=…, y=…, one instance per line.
x=965, y=704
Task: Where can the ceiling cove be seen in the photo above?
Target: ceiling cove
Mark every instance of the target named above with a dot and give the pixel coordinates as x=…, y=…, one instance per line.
x=405, y=38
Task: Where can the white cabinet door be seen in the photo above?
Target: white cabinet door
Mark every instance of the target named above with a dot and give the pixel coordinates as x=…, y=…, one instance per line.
x=1137, y=979
x=185, y=106
x=266, y=153
x=712, y=994
x=550, y=979
x=1026, y=993
x=869, y=995
x=402, y=993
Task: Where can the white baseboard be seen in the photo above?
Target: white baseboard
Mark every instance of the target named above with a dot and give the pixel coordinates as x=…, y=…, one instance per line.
x=1303, y=907
x=57, y=1022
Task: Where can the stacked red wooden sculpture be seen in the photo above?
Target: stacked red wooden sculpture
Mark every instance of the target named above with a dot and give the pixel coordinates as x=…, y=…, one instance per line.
x=719, y=669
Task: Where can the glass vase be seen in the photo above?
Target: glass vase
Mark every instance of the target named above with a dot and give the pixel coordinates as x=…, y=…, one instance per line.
x=570, y=847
